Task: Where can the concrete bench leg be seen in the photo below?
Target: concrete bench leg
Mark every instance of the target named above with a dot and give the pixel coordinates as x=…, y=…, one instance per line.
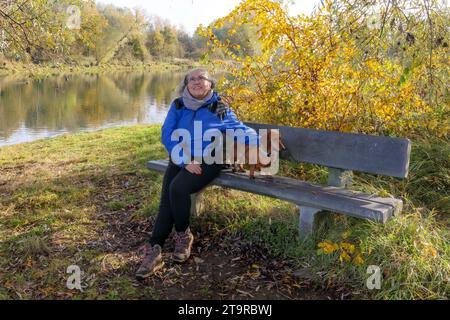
x=196, y=203
x=307, y=218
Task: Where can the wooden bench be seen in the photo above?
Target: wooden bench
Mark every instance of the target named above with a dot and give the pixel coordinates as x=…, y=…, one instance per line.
x=342, y=153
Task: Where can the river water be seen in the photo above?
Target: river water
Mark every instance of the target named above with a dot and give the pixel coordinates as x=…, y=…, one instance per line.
x=41, y=108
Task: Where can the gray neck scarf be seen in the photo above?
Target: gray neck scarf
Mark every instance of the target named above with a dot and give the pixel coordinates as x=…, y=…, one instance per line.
x=194, y=104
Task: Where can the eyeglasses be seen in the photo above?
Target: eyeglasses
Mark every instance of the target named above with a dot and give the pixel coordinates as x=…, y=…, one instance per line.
x=201, y=78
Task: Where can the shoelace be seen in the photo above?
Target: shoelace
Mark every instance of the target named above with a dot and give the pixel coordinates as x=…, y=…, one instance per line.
x=180, y=241
x=149, y=254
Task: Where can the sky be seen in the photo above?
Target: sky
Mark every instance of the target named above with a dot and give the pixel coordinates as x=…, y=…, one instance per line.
x=191, y=13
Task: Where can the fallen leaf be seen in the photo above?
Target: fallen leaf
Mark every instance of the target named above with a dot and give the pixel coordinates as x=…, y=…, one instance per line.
x=198, y=260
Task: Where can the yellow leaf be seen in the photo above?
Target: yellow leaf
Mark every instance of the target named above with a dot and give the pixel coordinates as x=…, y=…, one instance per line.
x=348, y=246
x=430, y=251
x=344, y=257
x=358, y=260
x=328, y=247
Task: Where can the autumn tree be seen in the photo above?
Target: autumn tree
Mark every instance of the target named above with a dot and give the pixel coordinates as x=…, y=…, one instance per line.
x=125, y=27
x=329, y=70
x=43, y=30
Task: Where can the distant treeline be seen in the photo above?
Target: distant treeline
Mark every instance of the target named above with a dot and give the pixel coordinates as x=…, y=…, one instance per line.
x=83, y=32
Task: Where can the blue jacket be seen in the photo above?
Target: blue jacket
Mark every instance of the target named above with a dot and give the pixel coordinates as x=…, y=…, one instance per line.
x=182, y=117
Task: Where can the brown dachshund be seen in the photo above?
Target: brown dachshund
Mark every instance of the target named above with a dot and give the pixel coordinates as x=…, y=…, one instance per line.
x=239, y=167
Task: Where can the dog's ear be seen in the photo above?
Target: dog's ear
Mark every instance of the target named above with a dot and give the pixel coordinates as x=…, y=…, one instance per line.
x=219, y=109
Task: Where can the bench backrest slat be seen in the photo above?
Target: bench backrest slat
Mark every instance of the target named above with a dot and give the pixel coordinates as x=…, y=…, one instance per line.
x=349, y=151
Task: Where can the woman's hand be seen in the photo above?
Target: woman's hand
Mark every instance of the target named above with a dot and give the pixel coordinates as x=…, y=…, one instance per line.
x=194, y=167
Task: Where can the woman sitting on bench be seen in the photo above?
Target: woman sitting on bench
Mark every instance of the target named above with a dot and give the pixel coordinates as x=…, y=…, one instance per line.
x=197, y=102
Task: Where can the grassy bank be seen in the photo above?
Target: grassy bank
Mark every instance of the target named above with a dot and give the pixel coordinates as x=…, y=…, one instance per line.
x=87, y=200
x=47, y=69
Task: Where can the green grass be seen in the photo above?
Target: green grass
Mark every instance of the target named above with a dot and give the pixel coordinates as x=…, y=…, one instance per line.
x=53, y=191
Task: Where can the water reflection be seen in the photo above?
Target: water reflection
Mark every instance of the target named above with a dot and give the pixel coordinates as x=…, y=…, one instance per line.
x=34, y=109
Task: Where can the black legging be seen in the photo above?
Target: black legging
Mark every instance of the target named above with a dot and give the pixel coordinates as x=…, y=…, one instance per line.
x=174, y=208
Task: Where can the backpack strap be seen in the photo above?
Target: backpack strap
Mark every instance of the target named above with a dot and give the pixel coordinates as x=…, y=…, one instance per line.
x=217, y=107
x=178, y=103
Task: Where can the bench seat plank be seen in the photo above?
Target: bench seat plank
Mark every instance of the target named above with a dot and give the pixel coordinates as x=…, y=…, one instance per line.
x=302, y=193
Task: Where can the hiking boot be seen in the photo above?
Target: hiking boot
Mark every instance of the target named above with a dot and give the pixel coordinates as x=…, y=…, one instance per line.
x=151, y=262
x=183, y=245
